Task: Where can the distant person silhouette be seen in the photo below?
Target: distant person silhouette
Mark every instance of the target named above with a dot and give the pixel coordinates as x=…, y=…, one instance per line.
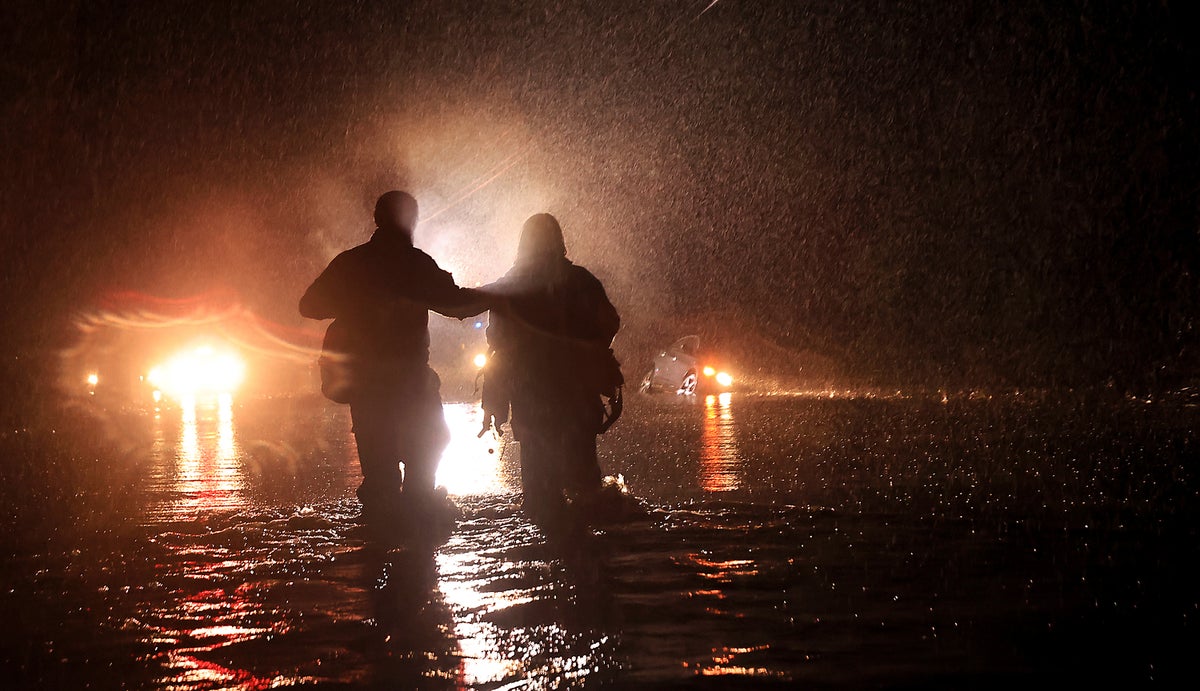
x=549, y=333
x=377, y=353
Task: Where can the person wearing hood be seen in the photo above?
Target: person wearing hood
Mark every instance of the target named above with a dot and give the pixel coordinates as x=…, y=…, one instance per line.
x=377, y=352
x=550, y=330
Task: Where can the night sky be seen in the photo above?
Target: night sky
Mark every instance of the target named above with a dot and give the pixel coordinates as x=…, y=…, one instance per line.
x=994, y=194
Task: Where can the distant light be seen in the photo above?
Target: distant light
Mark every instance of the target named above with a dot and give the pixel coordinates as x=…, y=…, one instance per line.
x=724, y=378
x=480, y=360
x=709, y=371
x=93, y=379
x=478, y=325
x=202, y=370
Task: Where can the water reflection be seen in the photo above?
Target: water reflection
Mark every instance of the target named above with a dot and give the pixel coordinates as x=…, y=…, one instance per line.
x=208, y=471
x=719, y=464
x=287, y=587
x=527, y=612
x=524, y=607
x=410, y=633
x=256, y=592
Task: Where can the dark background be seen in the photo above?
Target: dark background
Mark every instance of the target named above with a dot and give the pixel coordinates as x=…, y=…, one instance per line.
x=989, y=195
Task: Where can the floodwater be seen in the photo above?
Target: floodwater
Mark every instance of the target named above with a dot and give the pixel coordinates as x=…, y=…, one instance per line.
x=790, y=540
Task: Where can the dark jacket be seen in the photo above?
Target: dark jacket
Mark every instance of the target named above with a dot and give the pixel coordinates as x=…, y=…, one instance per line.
x=551, y=322
x=380, y=293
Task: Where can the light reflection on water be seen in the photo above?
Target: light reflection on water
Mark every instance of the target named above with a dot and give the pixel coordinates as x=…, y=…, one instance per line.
x=496, y=599
x=201, y=461
x=207, y=471
x=719, y=462
x=250, y=568
x=225, y=556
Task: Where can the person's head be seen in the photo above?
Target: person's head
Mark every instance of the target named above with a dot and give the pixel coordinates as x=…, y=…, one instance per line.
x=541, y=238
x=396, y=211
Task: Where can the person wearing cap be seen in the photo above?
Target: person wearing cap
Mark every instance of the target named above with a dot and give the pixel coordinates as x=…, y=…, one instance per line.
x=379, y=295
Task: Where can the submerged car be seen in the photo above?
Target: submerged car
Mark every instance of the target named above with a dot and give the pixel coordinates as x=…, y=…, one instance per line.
x=682, y=369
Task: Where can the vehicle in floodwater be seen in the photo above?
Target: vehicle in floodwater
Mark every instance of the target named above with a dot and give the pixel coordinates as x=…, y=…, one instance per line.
x=683, y=369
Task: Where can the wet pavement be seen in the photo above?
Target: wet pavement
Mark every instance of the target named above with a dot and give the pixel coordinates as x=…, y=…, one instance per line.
x=815, y=539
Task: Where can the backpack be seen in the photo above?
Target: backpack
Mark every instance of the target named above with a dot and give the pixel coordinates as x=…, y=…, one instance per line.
x=337, y=376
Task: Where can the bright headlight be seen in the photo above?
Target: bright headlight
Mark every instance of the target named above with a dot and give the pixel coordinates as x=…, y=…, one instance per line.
x=199, y=371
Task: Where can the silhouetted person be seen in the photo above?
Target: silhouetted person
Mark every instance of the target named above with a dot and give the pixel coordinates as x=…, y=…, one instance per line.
x=379, y=295
x=549, y=331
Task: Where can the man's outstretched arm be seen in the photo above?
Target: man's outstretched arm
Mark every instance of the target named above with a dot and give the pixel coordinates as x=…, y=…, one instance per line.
x=447, y=298
x=462, y=303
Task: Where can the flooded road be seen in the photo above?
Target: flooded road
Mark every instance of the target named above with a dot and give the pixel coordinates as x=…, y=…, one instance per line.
x=791, y=540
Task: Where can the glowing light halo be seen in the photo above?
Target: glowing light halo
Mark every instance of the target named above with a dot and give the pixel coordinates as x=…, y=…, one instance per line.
x=203, y=370
x=220, y=310
x=723, y=378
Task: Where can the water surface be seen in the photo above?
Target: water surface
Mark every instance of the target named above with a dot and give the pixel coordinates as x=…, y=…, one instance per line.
x=791, y=540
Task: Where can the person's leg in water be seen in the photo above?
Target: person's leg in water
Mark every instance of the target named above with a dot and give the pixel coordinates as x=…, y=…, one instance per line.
x=581, y=467
x=541, y=487
x=582, y=478
x=423, y=437
x=376, y=435
x=533, y=425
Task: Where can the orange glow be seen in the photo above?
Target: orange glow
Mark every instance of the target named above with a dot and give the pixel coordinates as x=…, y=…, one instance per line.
x=480, y=360
x=724, y=663
x=724, y=379
x=719, y=461
x=208, y=474
x=200, y=371
x=93, y=379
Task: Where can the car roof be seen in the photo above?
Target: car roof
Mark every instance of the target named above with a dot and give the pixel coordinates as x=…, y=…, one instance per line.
x=681, y=343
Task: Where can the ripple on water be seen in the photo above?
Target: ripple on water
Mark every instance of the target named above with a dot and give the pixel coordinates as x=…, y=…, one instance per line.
x=807, y=546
